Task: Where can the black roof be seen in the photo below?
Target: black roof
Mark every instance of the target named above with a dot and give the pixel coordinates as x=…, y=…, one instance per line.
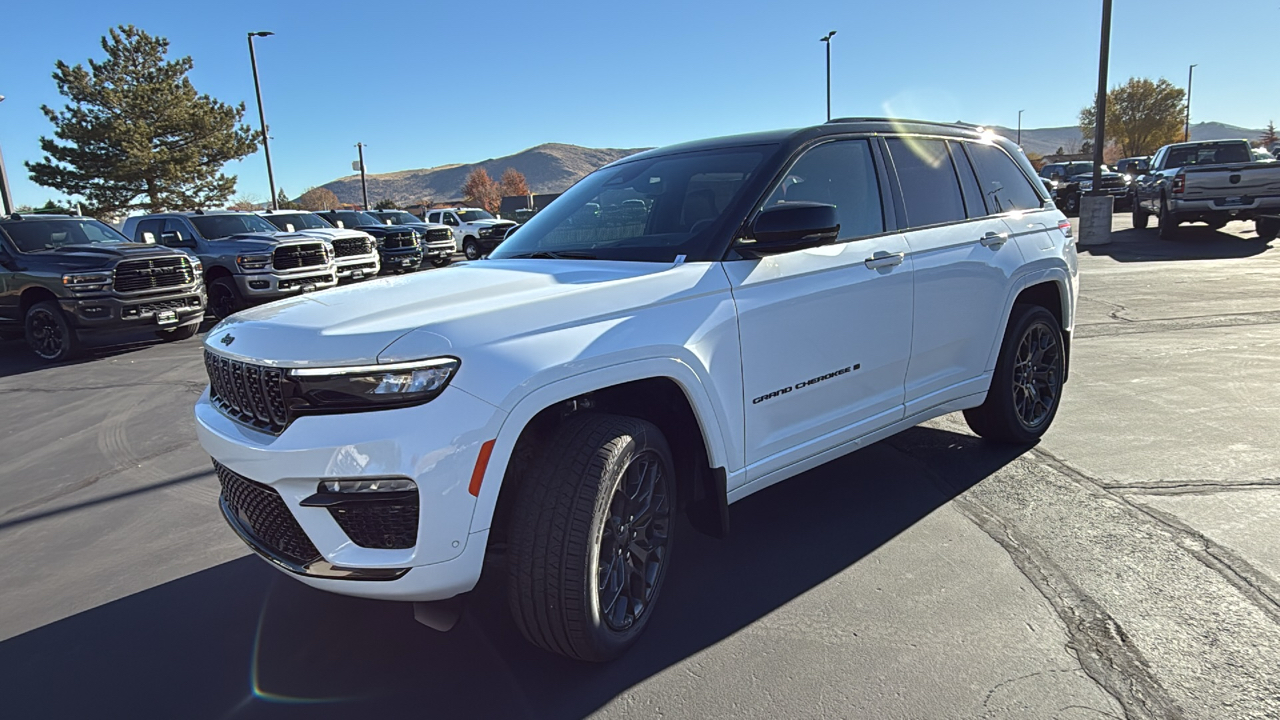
x=837, y=126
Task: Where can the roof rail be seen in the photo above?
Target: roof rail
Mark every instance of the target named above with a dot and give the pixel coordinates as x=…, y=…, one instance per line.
x=902, y=120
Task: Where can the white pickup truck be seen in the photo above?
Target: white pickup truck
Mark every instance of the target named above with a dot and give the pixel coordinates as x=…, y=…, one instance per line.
x=475, y=231
x=679, y=330
x=1210, y=182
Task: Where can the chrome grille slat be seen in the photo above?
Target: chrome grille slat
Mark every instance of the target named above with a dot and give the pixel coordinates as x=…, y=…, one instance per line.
x=133, y=276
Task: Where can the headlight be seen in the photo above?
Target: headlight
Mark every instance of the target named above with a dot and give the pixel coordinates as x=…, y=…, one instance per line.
x=253, y=262
x=1128, y=179
x=1086, y=184
x=196, y=266
x=371, y=387
x=88, y=281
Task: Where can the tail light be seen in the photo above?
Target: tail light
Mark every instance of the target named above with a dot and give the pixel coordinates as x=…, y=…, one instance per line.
x=1065, y=227
x=1179, y=183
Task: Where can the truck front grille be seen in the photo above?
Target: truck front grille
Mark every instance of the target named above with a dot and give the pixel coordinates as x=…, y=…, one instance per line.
x=347, y=247
x=397, y=241
x=153, y=274
x=435, y=235
x=262, y=512
x=291, y=257
x=251, y=394
x=381, y=524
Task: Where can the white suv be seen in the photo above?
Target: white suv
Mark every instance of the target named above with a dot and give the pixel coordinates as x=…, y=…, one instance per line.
x=681, y=329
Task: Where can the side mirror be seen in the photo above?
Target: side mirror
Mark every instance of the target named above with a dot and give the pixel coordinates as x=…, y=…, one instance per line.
x=793, y=226
x=174, y=239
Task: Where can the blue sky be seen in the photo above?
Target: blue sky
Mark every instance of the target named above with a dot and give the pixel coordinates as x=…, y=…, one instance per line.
x=429, y=83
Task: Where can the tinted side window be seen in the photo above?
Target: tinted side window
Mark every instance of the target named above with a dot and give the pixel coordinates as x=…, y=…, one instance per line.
x=930, y=189
x=148, y=231
x=175, y=225
x=434, y=218
x=973, y=201
x=840, y=173
x=1006, y=187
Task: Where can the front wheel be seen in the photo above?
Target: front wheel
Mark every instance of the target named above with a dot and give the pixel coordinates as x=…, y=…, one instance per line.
x=224, y=298
x=471, y=249
x=1027, y=385
x=591, y=536
x=48, y=333
x=1168, y=223
x=1073, y=204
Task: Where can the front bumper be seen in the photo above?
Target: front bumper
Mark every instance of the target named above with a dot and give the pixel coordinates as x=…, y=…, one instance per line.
x=355, y=268
x=261, y=287
x=114, y=313
x=439, y=249
x=400, y=260
x=436, y=445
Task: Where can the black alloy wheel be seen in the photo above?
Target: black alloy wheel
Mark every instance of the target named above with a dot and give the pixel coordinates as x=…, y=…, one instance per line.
x=1037, y=374
x=224, y=298
x=631, y=551
x=1026, y=387
x=48, y=334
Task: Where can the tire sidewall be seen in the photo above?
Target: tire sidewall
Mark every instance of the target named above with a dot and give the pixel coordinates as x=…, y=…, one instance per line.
x=1002, y=381
x=471, y=249
x=69, y=339
x=219, y=289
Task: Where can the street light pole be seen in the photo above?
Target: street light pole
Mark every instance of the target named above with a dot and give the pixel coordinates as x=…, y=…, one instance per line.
x=262, y=117
x=6, y=197
x=827, y=40
x=1186, y=133
x=364, y=189
x=1020, y=127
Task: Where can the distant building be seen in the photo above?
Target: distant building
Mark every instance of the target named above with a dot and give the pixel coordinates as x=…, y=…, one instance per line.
x=525, y=205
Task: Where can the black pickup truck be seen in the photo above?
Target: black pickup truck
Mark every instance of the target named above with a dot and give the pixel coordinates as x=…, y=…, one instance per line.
x=399, y=247
x=65, y=279
x=1069, y=180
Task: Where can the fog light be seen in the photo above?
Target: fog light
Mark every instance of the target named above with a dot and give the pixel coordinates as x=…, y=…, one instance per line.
x=259, y=284
x=376, y=485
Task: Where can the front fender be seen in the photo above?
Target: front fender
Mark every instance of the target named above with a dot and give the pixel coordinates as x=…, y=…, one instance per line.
x=570, y=387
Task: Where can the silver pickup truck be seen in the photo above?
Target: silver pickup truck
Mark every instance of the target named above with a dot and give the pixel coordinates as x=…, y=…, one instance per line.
x=1210, y=182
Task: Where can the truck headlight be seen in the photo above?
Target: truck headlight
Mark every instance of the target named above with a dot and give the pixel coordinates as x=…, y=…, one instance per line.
x=88, y=281
x=371, y=387
x=253, y=262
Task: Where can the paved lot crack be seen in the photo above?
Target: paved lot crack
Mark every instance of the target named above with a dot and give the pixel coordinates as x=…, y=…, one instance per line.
x=1192, y=487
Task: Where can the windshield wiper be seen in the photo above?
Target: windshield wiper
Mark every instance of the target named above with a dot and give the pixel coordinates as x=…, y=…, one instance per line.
x=548, y=255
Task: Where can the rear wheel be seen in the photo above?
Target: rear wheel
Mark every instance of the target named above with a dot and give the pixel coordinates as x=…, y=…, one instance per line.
x=590, y=537
x=224, y=298
x=1027, y=384
x=471, y=249
x=1140, y=216
x=1267, y=228
x=49, y=335
x=180, y=333
x=1168, y=223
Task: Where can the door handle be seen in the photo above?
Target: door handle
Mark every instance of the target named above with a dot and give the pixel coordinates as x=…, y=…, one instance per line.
x=994, y=239
x=884, y=260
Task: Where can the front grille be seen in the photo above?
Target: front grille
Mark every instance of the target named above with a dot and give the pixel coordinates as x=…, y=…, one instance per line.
x=1112, y=182
x=292, y=283
x=360, y=266
x=381, y=524
x=397, y=241
x=249, y=393
x=439, y=235
x=291, y=257
x=262, y=511
x=346, y=247
x=153, y=274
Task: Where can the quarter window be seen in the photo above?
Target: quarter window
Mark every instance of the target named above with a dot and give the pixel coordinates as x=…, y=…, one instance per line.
x=1005, y=186
x=930, y=189
x=840, y=173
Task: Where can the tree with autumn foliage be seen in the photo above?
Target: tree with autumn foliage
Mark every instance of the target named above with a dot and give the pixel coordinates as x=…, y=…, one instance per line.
x=1142, y=116
x=1268, y=140
x=513, y=183
x=481, y=191
x=319, y=198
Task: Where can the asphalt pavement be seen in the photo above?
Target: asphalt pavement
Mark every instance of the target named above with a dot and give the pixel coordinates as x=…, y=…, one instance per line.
x=1127, y=566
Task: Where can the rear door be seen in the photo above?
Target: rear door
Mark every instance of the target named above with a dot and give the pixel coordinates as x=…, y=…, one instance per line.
x=826, y=331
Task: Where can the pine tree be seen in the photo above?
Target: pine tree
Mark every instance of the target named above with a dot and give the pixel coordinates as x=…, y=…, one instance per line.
x=136, y=135
x=284, y=203
x=1269, y=137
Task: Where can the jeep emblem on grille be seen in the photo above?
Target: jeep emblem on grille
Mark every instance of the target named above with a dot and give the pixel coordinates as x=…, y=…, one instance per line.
x=227, y=339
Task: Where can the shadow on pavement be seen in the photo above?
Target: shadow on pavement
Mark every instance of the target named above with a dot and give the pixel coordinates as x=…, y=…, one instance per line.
x=16, y=358
x=1193, y=242
x=240, y=640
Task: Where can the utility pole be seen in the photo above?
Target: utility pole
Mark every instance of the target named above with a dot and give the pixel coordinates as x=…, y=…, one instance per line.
x=1020, y=127
x=1096, y=207
x=827, y=40
x=1186, y=133
x=364, y=189
x=262, y=117
x=6, y=197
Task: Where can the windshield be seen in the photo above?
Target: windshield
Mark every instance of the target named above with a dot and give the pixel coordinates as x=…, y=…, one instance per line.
x=647, y=210
x=397, y=217
x=351, y=218
x=298, y=221
x=216, y=227
x=473, y=215
x=1208, y=154
x=38, y=235
x=1074, y=169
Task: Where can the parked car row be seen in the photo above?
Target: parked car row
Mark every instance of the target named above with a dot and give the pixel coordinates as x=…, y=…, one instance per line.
x=1210, y=182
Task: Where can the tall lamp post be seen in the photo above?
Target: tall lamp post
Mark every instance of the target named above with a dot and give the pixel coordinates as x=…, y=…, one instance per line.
x=1186, y=133
x=1096, y=207
x=6, y=197
x=1020, y=127
x=262, y=117
x=364, y=189
x=827, y=40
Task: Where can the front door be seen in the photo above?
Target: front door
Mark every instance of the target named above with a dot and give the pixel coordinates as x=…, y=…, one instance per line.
x=826, y=331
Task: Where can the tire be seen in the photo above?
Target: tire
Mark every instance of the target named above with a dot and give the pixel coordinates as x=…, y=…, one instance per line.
x=179, y=333
x=1073, y=204
x=1013, y=409
x=1216, y=224
x=224, y=298
x=1140, y=216
x=471, y=249
x=571, y=505
x=48, y=333
x=441, y=262
x=1267, y=228
x=1168, y=224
